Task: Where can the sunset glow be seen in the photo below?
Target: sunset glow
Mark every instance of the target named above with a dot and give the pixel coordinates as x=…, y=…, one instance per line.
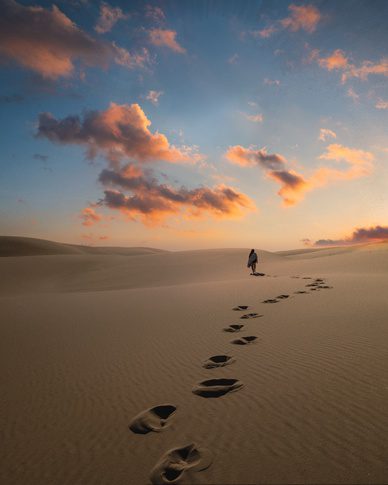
x=195, y=124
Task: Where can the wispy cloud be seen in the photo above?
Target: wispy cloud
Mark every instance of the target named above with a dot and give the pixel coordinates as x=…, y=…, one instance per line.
x=153, y=97
x=301, y=17
x=108, y=18
x=257, y=118
x=325, y=134
x=166, y=38
x=381, y=104
x=89, y=217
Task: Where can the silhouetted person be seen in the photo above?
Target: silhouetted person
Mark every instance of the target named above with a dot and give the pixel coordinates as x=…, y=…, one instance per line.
x=252, y=261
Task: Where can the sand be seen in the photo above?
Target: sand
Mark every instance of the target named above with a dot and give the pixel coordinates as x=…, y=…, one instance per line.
x=99, y=344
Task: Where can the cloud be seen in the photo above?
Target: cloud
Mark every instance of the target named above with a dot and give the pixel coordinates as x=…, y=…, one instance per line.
x=325, y=133
x=233, y=59
x=271, y=82
x=155, y=14
x=151, y=202
x=335, y=61
x=248, y=157
x=351, y=93
x=359, y=236
x=166, y=38
x=48, y=42
x=294, y=185
x=338, y=61
x=381, y=104
x=255, y=118
x=119, y=132
x=153, y=97
x=41, y=158
x=109, y=16
x=89, y=217
x=302, y=17
x=265, y=33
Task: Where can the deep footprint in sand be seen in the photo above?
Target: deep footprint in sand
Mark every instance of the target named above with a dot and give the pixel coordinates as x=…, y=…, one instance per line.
x=178, y=463
x=235, y=327
x=244, y=340
x=156, y=419
x=251, y=315
x=240, y=308
x=217, y=387
x=271, y=300
x=300, y=292
x=282, y=297
x=324, y=287
x=218, y=361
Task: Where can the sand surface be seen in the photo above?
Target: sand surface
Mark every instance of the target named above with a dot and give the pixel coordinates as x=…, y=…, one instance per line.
x=89, y=340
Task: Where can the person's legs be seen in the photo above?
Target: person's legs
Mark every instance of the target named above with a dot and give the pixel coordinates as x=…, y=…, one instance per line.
x=253, y=268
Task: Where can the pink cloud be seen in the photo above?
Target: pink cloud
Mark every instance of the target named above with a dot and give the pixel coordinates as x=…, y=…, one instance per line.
x=154, y=13
x=153, y=97
x=109, y=16
x=166, y=38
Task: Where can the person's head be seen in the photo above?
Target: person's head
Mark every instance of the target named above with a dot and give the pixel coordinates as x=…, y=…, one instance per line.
x=252, y=251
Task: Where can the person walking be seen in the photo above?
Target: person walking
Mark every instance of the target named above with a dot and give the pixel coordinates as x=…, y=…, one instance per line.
x=252, y=261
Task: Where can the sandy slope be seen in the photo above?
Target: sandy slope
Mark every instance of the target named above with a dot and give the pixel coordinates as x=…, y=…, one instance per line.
x=89, y=341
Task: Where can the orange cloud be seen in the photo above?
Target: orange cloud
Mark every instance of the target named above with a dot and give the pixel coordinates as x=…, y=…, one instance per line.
x=336, y=61
x=302, y=17
x=166, y=38
x=381, y=104
x=121, y=131
x=340, y=62
x=48, y=42
x=294, y=185
x=249, y=157
x=151, y=202
x=89, y=217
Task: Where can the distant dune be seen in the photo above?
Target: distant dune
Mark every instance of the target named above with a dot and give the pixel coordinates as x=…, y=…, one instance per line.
x=27, y=246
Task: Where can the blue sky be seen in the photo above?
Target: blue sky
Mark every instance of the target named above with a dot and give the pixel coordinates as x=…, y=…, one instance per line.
x=210, y=76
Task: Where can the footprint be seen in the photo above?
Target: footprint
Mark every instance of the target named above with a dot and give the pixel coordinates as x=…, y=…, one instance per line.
x=319, y=280
x=300, y=292
x=153, y=419
x=178, y=462
x=306, y=278
x=271, y=301
x=218, y=361
x=282, y=297
x=240, y=308
x=310, y=285
x=251, y=315
x=296, y=277
x=244, y=340
x=217, y=387
x=325, y=287
x=233, y=328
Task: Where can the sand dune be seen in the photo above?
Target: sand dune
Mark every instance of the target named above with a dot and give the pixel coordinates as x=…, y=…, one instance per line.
x=117, y=368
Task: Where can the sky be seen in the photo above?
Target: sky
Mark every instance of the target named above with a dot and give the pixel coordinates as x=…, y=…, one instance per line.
x=194, y=124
